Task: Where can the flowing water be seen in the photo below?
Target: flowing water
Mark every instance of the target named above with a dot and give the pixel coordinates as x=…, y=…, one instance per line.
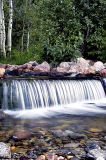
x=75, y=104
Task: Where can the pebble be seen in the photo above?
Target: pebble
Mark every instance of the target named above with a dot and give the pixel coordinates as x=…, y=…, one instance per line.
x=71, y=145
x=42, y=157
x=5, y=151
x=94, y=151
x=22, y=134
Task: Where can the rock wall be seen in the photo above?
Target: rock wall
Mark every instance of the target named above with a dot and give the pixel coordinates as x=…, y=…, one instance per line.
x=80, y=67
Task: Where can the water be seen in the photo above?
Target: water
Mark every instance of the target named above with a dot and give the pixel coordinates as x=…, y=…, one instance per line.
x=35, y=94
x=75, y=105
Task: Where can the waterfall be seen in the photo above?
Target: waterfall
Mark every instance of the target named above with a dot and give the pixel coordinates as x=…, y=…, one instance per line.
x=33, y=94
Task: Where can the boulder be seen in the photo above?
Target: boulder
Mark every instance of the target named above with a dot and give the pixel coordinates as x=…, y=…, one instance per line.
x=5, y=151
x=44, y=67
x=2, y=72
x=33, y=63
x=95, y=152
x=64, y=65
x=103, y=72
x=62, y=70
x=98, y=66
x=105, y=65
x=21, y=134
x=82, y=62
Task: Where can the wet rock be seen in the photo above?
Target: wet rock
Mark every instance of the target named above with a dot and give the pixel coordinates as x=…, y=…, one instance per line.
x=74, y=135
x=5, y=151
x=22, y=134
x=2, y=115
x=71, y=145
x=2, y=72
x=42, y=157
x=64, y=152
x=95, y=130
x=24, y=158
x=60, y=158
x=98, y=65
x=75, y=158
x=32, y=154
x=68, y=133
x=94, y=151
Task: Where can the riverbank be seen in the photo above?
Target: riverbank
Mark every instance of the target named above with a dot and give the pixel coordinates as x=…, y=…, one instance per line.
x=64, y=138
x=80, y=67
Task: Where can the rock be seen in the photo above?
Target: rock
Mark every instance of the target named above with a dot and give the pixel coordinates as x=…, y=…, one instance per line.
x=98, y=66
x=95, y=130
x=82, y=62
x=71, y=145
x=65, y=65
x=22, y=134
x=2, y=115
x=60, y=158
x=42, y=157
x=105, y=65
x=62, y=70
x=33, y=63
x=44, y=67
x=51, y=156
x=74, y=135
x=5, y=151
x=94, y=151
x=32, y=154
x=103, y=72
x=64, y=152
x=68, y=134
x=2, y=72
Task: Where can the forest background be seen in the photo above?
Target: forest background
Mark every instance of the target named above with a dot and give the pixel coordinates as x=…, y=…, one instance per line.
x=52, y=30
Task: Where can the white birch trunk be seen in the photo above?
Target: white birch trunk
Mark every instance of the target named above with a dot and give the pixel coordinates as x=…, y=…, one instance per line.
x=0, y=28
x=28, y=37
x=22, y=39
x=3, y=32
x=10, y=24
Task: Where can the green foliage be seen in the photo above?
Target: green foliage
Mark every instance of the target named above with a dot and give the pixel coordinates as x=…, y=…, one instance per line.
x=19, y=58
x=60, y=30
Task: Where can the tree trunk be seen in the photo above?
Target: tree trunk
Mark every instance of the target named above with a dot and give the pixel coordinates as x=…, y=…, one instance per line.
x=22, y=39
x=9, y=36
x=3, y=31
x=28, y=38
x=0, y=28
x=23, y=30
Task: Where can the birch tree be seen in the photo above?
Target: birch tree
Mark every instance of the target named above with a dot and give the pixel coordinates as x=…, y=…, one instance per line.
x=0, y=27
x=10, y=24
x=2, y=30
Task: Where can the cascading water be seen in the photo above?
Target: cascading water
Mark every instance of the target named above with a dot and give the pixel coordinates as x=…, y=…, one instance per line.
x=33, y=94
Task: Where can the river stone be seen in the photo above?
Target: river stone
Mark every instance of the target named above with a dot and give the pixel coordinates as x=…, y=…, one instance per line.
x=22, y=134
x=103, y=72
x=43, y=67
x=2, y=72
x=5, y=151
x=82, y=62
x=2, y=115
x=99, y=66
x=71, y=145
x=94, y=151
x=42, y=157
x=64, y=65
